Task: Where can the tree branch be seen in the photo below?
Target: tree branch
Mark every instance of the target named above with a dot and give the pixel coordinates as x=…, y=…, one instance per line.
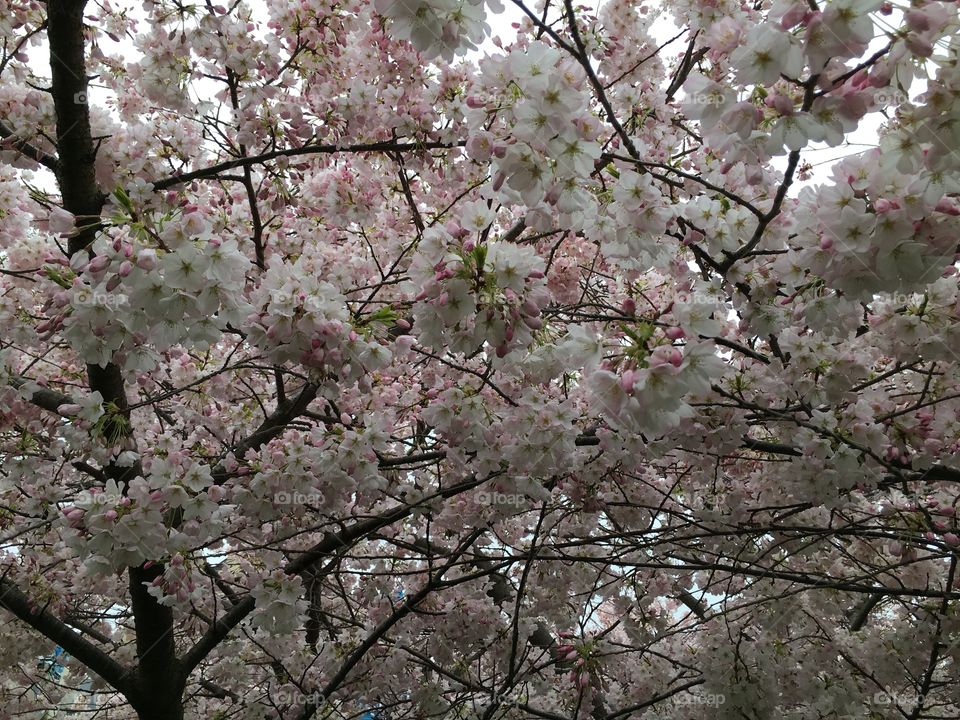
x=379, y=147
x=27, y=149
x=16, y=602
x=42, y=398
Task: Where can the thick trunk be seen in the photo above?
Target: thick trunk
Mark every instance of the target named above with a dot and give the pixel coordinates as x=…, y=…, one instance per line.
x=160, y=680
x=157, y=692
x=161, y=710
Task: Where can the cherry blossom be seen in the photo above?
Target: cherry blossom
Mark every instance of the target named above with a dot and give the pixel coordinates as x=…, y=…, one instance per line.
x=374, y=359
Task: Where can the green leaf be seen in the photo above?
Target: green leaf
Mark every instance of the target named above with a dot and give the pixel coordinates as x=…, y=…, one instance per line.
x=125, y=202
x=57, y=276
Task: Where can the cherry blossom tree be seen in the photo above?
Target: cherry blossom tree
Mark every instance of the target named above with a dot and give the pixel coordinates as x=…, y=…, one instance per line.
x=343, y=375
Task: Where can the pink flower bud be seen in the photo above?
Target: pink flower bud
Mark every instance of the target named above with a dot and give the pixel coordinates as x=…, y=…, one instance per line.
x=629, y=306
x=917, y=20
x=794, y=15
x=60, y=221
x=919, y=46
x=951, y=539
x=948, y=206
x=534, y=323
x=147, y=260
x=674, y=333
x=781, y=103
x=98, y=264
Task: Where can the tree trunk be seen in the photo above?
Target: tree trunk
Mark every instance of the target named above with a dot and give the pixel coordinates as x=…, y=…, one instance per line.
x=160, y=679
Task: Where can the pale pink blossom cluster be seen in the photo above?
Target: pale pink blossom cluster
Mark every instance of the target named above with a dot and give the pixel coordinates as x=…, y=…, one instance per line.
x=584, y=380
x=302, y=319
x=475, y=293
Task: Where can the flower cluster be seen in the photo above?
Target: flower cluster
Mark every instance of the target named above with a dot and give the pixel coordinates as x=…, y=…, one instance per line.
x=175, y=587
x=878, y=229
x=297, y=317
x=471, y=294
x=280, y=604
x=640, y=216
x=552, y=149
x=644, y=392
x=443, y=28
x=131, y=302
x=114, y=529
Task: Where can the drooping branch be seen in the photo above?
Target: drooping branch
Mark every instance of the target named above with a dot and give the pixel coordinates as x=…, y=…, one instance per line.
x=27, y=149
x=43, y=397
x=409, y=606
x=20, y=605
